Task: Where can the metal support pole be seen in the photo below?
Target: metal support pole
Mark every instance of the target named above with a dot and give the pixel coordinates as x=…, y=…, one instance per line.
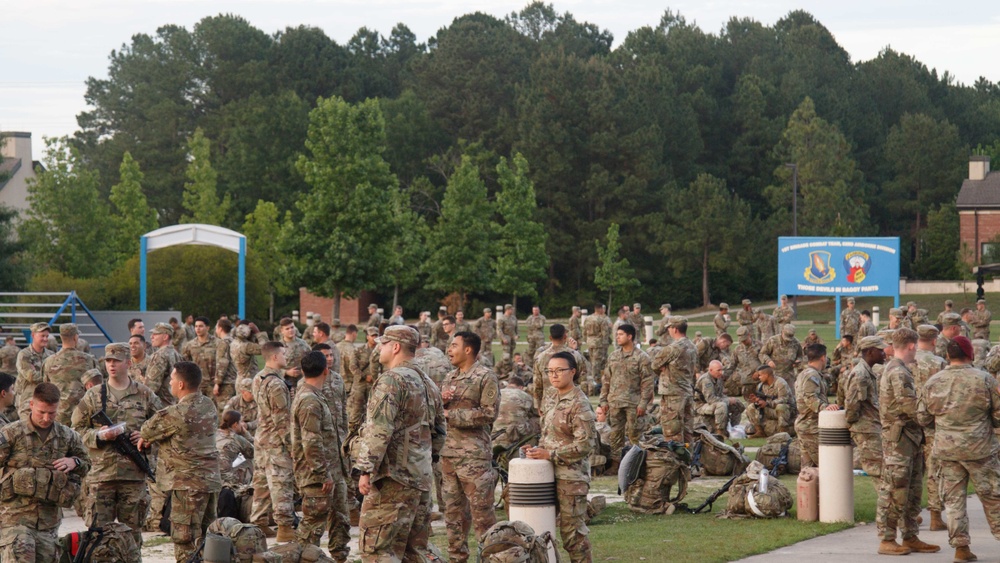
x=243, y=278
x=142, y=274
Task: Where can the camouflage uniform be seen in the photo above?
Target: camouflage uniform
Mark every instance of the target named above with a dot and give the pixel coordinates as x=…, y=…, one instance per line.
x=862, y=415
x=273, y=484
x=137, y=369
x=783, y=315
x=243, y=351
x=29, y=525
x=64, y=370
x=345, y=352
x=676, y=365
x=375, y=320
x=778, y=415
x=867, y=328
x=850, y=322
x=420, y=532
x=536, y=334
x=636, y=319
x=626, y=385
x=902, y=461
x=161, y=363
x=574, y=328
x=507, y=327
x=186, y=435
x=462, y=326
x=810, y=398
x=764, y=326
x=662, y=334
x=786, y=353
x=204, y=354
x=314, y=441
x=439, y=338
x=841, y=363
x=745, y=317
x=486, y=329
x=29, y=375
x=343, y=496
x=225, y=370
x=425, y=329
x=962, y=404
x=981, y=324
x=116, y=487
x=517, y=418
x=8, y=358
x=927, y=365
x=597, y=331
x=295, y=349
x=395, y=451
x=231, y=446
x=466, y=461
x=360, y=389
x=712, y=405
x=721, y=324
x=540, y=382
x=246, y=408
x=569, y=433
x=433, y=363
x=746, y=358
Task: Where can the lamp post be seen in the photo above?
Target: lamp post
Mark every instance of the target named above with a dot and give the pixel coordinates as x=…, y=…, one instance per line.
x=795, y=197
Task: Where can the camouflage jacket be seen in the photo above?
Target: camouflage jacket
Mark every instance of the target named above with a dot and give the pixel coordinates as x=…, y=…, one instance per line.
x=247, y=409
x=161, y=363
x=435, y=416
x=898, y=404
x=662, y=334
x=508, y=329
x=424, y=328
x=842, y=360
x=778, y=393
x=186, y=434
x=396, y=439
x=540, y=382
x=926, y=365
x=919, y=317
x=374, y=320
x=205, y=355
x=273, y=411
x=137, y=405
x=439, y=338
x=357, y=403
x=575, y=329
x=486, y=329
x=861, y=400
x=345, y=353
x=746, y=358
x=745, y=318
x=676, y=365
x=22, y=446
x=708, y=390
x=137, y=370
x=764, y=327
x=295, y=350
x=433, y=363
x=721, y=323
x=810, y=398
x=471, y=412
x=29, y=375
x=627, y=380
x=243, y=354
x=568, y=432
x=225, y=369
x=637, y=320
x=314, y=438
x=231, y=445
x=941, y=346
x=597, y=328
x=866, y=329
x=463, y=326
x=64, y=370
x=850, y=322
x=783, y=315
x=786, y=354
x=8, y=358
x=517, y=409
x=981, y=323
x=962, y=405
x=333, y=395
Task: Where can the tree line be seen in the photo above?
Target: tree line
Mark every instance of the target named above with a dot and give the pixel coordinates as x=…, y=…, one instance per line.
x=501, y=157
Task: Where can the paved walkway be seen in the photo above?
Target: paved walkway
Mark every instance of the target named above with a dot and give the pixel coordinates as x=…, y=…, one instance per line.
x=859, y=544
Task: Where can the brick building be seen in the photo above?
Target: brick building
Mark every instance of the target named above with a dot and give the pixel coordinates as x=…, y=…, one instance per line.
x=352, y=311
x=978, y=207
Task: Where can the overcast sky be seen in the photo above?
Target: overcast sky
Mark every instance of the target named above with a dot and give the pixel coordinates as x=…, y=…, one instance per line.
x=49, y=47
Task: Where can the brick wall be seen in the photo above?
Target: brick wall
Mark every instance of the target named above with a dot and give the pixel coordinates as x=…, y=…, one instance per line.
x=976, y=228
x=352, y=311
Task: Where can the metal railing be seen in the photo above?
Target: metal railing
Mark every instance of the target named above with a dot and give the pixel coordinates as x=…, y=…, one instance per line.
x=18, y=312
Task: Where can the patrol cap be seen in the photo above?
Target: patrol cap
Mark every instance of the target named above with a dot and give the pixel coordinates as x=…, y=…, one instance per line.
x=742, y=331
x=639, y=305
x=676, y=320
x=783, y=297
x=68, y=329
x=372, y=306
x=886, y=334
x=91, y=374
x=336, y=322
x=317, y=316
x=245, y=384
x=506, y=307
x=488, y=310
x=980, y=302
x=40, y=327
x=665, y=306
x=966, y=345
x=812, y=331
x=698, y=334
x=164, y=328
x=116, y=351
x=402, y=334
x=951, y=319
x=928, y=332
x=872, y=342
x=949, y=303
x=788, y=330
x=372, y=331
x=850, y=300
x=746, y=301
x=576, y=307
x=242, y=331
x=911, y=303
x=723, y=305
x=896, y=312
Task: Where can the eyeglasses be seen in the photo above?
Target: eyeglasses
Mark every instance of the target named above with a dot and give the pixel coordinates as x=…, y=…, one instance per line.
x=556, y=371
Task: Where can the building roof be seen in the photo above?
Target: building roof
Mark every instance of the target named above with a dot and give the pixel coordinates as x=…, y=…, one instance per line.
x=980, y=194
x=8, y=167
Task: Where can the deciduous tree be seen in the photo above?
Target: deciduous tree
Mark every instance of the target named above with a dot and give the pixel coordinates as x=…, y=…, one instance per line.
x=521, y=257
x=613, y=272
x=131, y=215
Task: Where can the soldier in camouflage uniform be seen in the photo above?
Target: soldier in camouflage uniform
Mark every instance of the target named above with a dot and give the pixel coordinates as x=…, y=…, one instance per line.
x=517, y=418
x=432, y=362
x=841, y=363
x=363, y=380
x=29, y=366
x=676, y=365
x=179, y=336
x=948, y=308
x=764, y=326
x=867, y=327
x=374, y=317
x=161, y=363
x=244, y=404
x=471, y=398
x=244, y=349
x=962, y=404
x=202, y=351
x=322, y=333
x=662, y=334
x=225, y=368
x=273, y=484
x=507, y=327
x=746, y=315
x=65, y=369
x=28, y=524
x=417, y=544
x=917, y=316
x=439, y=338
x=721, y=320
x=345, y=353
x=568, y=436
x=951, y=327
x=185, y=433
x=783, y=353
x=540, y=384
x=902, y=460
x=597, y=331
x=810, y=398
x=233, y=440
x=6, y=398
x=636, y=319
x=772, y=407
x=295, y=349
x=8, y=356
x=343, y=494
x=461, y=325
x=783, y=314
x=397, y=316
x=115, y=486
x=714, y=349
x=486, y=328
x=746, y=358
x=927, y=364
x=850, y=319
x=862, y=410
x=138, y=359
x=968, y=317
x=536, y=336
x=626, y=390
x=981, y=318
x=424, y=327
x=575, y=324
x=714, y=408
x=395, y=450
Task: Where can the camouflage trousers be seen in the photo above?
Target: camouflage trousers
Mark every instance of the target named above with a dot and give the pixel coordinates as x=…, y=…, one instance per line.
x=124, y=501
x=534, y=343
x=931, y=471
x=420, y=532
x=158, y=497
x=953, y=479
x=190, y=514
x=868, y=456
x=571, y=497
x=486, y=354
x=468, y=486
x=598, y=356
x=387, y=518
x=901, y=489
x=326, y=512
x=226, y=391
x=622, y=421
x=506, y=365
x=808, y=446
x=714, y=415
x=438, y=488
x=677, y=417
x=26, y=545
x=771, y=420
x=273, y=487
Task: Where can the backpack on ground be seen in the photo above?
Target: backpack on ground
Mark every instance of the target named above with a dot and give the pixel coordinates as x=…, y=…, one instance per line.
x=110, y=543
x=772, y=450
x=294, y=552
x=719, y=458
x=667, y=465
x=747, y=500
x=248, y=539
x=514, y=542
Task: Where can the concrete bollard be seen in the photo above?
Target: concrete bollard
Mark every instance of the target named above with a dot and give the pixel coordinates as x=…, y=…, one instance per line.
x=532, y=485
x=836, y=468
x=647, y=321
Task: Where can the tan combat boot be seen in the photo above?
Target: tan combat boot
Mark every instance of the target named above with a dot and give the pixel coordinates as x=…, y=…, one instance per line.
x=268, y=531
x=963, y=554
x=285, y=534
x=888, y=547
x=918, y=546
x=937, y=524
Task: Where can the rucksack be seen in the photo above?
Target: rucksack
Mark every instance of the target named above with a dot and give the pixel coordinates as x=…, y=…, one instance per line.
x=772, y=449
x=719, y=458
x=667, y=464
x=294, y=552
x=110, y=543
x=514, y=542
x=248, y=539
x=746, y=500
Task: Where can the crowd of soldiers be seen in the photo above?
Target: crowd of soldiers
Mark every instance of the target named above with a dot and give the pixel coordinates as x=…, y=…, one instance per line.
x=376, y=432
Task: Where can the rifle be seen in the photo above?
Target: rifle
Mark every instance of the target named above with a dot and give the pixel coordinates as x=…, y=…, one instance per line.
x=780, y=461
x=696, y=456
x=121, y=443
x=711, y=498
x=89, y=541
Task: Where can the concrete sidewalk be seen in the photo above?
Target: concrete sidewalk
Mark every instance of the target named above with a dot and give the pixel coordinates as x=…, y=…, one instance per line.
x=859, y=544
